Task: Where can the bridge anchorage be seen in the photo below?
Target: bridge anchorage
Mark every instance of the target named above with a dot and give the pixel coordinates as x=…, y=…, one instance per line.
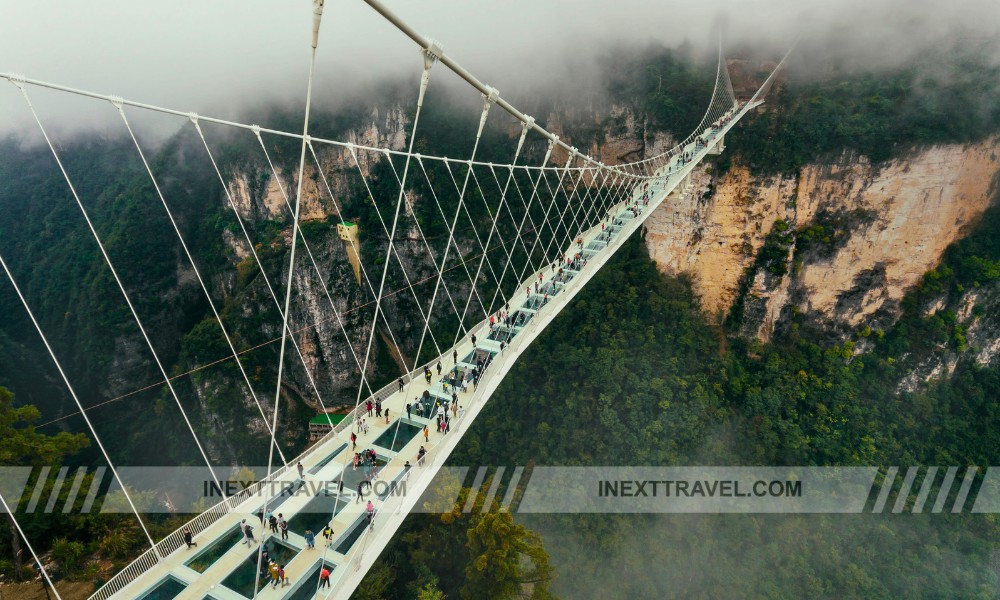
x=579, y=212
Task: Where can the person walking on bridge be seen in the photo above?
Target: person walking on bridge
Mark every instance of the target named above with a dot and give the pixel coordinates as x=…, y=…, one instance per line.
x=248, y=538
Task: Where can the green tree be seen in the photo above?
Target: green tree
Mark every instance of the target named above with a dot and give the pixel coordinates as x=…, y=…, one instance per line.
x=21, y=445
x=507, y=561
x=430, y=591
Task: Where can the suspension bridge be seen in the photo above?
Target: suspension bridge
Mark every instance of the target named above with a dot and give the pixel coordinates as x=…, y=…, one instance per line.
x=578, y=210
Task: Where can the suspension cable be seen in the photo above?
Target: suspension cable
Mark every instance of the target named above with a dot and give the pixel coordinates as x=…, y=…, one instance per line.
x=194, y=266
x=121, y=286
x=76, y=399
x=34, y=555
x=319, y=275
x=317, y=17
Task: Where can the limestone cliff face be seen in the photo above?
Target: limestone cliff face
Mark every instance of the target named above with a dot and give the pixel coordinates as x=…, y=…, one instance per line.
x=331, y=312
x=258, y=194
x=890, y=224
x=613, y=134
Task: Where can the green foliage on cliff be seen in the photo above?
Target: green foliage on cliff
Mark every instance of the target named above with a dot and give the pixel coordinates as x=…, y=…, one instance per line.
x=943, y=96
x=477, y=554
x=632, y=374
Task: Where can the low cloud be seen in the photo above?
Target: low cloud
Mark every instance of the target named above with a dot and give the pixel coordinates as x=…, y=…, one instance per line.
x=228, y=56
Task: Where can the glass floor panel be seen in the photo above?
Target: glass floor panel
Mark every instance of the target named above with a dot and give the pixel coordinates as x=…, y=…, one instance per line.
x=167, y=589
x=535, y=302
x=501, y=334
x=213, y=552
x=315, y=468
x=398, y=434
x=345, y=543
x=521, y=318
x=393, y=485
x=306, y=587
x=287, y=491
x=478, y=354
x=241, y=580
x=317, y=513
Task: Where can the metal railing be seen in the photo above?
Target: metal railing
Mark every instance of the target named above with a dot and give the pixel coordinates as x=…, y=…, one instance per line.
x=172, y=542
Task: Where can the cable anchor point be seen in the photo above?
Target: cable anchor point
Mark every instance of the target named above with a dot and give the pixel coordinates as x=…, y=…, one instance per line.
x=432, y=53
x=17, y=79
x=317, y=17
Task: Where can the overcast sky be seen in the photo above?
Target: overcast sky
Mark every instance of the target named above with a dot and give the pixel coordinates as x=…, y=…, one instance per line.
x=219, y=56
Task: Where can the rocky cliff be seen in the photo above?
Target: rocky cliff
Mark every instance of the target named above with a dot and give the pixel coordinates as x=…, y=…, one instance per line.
x=840, y=243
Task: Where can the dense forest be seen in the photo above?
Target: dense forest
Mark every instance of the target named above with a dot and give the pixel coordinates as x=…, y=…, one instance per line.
x=631, y=374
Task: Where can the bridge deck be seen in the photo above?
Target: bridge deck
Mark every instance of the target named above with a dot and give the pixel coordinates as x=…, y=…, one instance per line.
x=355, y=545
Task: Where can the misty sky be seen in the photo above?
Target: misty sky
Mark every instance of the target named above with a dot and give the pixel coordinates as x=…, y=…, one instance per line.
x=220, y=56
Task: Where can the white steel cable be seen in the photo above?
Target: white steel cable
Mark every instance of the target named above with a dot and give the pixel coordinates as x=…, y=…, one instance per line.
x=253, y=252
x=357, y=249
x=395, y=252
x=569, y=236
x=34, y=555
x=461, y=259
x=527, y=212
x=424, y=80
x=560, y=221
x=197, y=273
x=76, y=399
x=487, y=103
x=494, y=221
x=317, y=17
x=475, y=234
x=121, y=286
x=517, y=241
x=423, y=238
x=545, y=217
x=319, y=274
x=19, y=79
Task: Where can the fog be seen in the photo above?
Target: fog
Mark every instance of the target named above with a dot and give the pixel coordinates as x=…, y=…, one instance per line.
x=225, y=56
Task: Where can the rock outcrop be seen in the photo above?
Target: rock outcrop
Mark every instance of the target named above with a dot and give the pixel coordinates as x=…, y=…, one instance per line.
x=891, y=223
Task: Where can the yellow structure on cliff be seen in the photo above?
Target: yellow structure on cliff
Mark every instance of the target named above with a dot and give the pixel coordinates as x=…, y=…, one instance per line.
x=348, y=231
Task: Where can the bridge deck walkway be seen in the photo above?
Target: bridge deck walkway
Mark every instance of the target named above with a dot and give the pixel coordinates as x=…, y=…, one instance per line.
x=351, y=547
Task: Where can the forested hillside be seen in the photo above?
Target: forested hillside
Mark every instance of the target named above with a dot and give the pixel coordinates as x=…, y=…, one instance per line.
x=633, y=373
